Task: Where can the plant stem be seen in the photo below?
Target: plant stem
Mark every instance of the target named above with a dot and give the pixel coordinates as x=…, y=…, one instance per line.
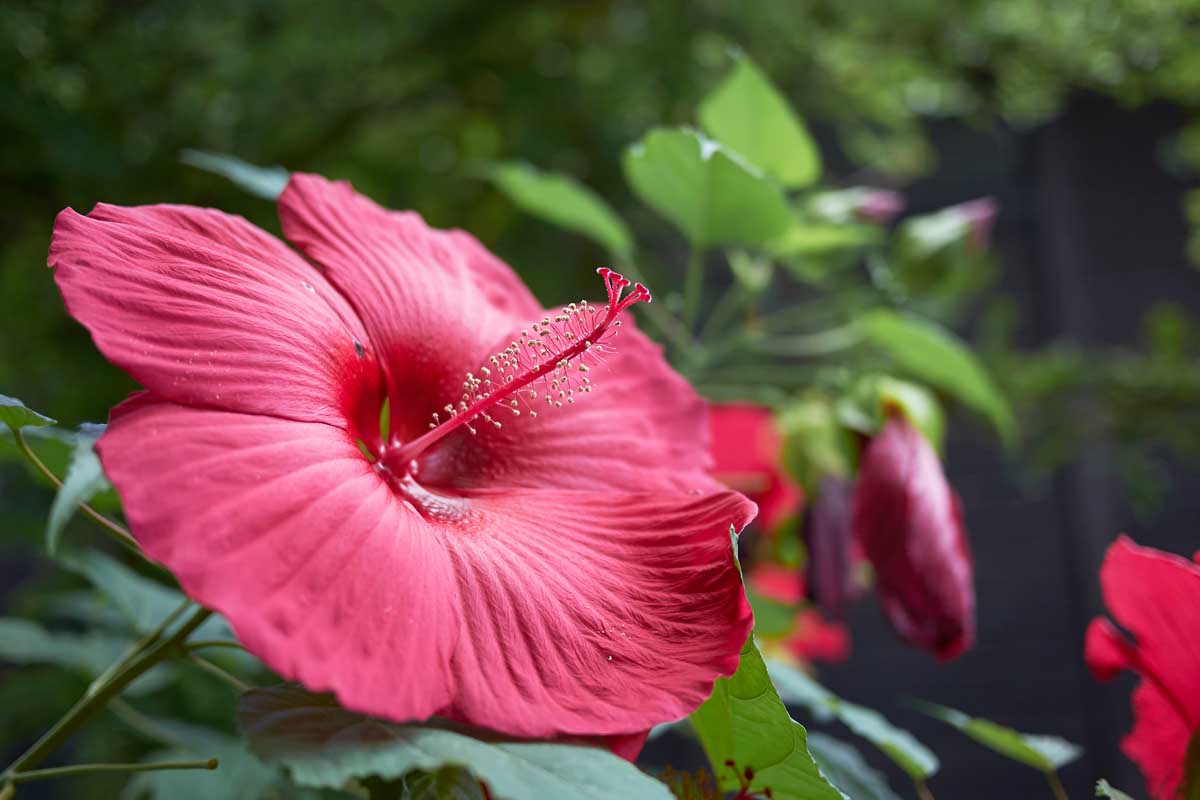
x=143, y=724
x=138, y=646
x=115, y=529
x=810, y=345
x=922, y=789
x=198, y=644
x=1060, y=792
x=87, y=706
x=82, y=769
x=666, y=322
x=212, y=669
x=727, y=306
x=693, y=284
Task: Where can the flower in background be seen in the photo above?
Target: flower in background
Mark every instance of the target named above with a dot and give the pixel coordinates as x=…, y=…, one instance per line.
x=809, y=636
x=832, y=552
x=509, y=548
x=908, y=521
x=980, y=217
x=1155, y=597
x=858, y=204
x=746, y=450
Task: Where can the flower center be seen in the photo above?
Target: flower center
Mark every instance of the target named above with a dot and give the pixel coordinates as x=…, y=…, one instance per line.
x=546, y=366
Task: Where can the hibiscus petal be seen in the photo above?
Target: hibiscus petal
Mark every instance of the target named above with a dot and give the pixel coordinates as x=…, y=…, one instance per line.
x=283, y=527
x=642, y=428
x=1158, y=742
x=596, y=613
x=1154, y=596
x=435, y=302
x=1106, y=651
x=204, y=309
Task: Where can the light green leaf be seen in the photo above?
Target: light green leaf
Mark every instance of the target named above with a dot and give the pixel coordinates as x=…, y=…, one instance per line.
x=1045, y=753
x=564, y=201
x=847, y=769
x=771, y=617
x=321, y=744
x=1105, y=789
x=930, y=352
x=815, y=442
x=447, y=783
x=748, y=114
x=23, y=641
x=864, y=407
x=265, y=182
x=818, y=239
x=16, y=415
x=746, y=722
x=753, y=273
x=143, y=601
x=85, y=478
x=896, y=743
x=708, y=192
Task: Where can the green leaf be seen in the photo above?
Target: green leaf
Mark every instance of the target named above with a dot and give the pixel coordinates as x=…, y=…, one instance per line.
x=85, y=478
x=771, y=617
x=265, y=182
x=930, y=352
x=708, y=192
x=846, y=769
x=143, y=601
x=16, y=415
x=748, y=114
x=321, y=744
x=1105, y=789
x=238, y=776
x=447, y=783
x=815, y=442
x=753, y=273
x=564, y=201
x=819, y=239
x=864, y=407
x=1189, y=789
x=896, y=743
x=23, y=641
x=744, y=721
x=1045, y=753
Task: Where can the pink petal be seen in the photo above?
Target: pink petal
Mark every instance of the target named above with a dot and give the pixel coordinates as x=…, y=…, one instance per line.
x=747, y=454
x=595, y=613
x=435, y=302
x=1154, y=596
x=283, y=527
x=204, y=309
x=1158, y=742
x=1106, y=650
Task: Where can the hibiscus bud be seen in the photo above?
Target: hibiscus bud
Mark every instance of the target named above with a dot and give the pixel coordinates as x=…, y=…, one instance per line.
x=908, y=521
x=980, y=216
x=880, y=206
x=826, y=532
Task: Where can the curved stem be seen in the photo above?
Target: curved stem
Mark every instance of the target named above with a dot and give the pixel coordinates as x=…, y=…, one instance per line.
x=1060, y=792
x=118, y=531
x=228, y=677
x=83, y=769
x=138, y=646
x=922, y=789
x=88, y=705
x=200, y=644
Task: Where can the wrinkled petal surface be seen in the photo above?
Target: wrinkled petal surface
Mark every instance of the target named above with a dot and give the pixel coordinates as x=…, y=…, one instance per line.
x=284, y=528
x=747, y=451
x=205, y=309
x=907, y=519
x=1153, y=596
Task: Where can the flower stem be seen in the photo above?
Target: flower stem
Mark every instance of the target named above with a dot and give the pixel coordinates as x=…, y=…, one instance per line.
x=1060, y=792
x=199, y=644
x=127, y=670
x=922, y=789
x=82, y=769
x=115, y=529
x=693, y=284
x=212, y=669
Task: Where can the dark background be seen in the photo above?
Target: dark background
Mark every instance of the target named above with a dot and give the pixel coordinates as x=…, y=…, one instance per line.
x=96, y=100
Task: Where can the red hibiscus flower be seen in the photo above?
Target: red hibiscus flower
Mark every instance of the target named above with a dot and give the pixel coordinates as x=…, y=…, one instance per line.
x=908, y=521
x=517, y=552
x=746, y=449
x=1154, y=596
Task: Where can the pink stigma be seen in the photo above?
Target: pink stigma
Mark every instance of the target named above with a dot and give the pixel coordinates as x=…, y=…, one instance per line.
x=546, y=366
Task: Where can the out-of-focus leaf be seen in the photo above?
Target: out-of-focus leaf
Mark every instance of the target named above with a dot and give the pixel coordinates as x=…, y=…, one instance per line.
x=771, y=617
x=141, y=600
x=815, y=442
x=1045, y=753
x=54, y=448
x=564, y=201
x=896, y=743
x=930, y=352
x=16, y=415
x=85, y=478
x=1106, y=789
x=817, y=239
x=265, y=182
x=753, y=273
x=321, y=744
x=748, y=114
x=746, y=722
x=447, y=783
x=845, y=767
x=708, y=192
x=23, y=641
x=238, y=776
x=864, y=407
